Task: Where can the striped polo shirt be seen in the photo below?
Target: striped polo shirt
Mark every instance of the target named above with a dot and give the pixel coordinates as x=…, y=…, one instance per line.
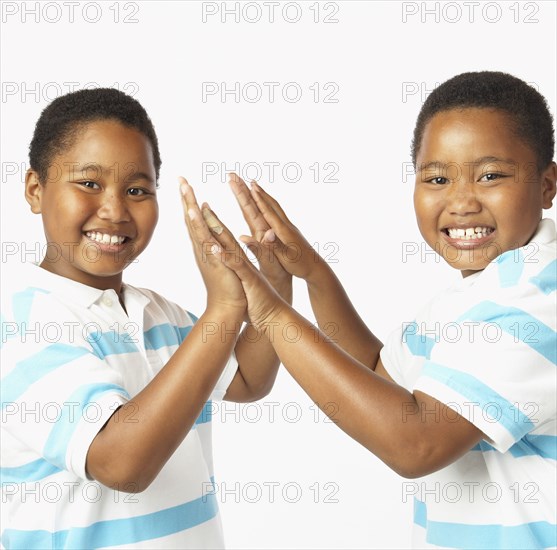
x=487, y=349
x=70, y=357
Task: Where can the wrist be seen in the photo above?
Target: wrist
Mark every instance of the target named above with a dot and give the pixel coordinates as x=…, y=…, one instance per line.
x=284, y=289
x=224, y=312
x=319, y=275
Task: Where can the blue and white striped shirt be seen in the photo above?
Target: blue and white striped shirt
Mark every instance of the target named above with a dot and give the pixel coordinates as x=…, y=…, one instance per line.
x=487, y=348
x=70, y=357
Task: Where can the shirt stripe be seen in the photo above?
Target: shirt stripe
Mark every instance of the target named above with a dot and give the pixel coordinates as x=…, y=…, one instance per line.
x=536, y=534
x=118, y=531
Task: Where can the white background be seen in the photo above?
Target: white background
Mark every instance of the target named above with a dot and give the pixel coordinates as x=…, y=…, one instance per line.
x=381, y=64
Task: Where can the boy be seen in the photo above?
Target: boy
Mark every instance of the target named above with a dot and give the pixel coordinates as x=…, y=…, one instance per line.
x=99, y=381
x=476, y=413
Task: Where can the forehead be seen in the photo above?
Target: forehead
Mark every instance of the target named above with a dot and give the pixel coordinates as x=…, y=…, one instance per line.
x=108, y=142
x=467, y=134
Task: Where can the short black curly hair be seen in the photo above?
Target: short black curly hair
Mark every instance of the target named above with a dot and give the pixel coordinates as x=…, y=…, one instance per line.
x=61, y=121
x=526, y=107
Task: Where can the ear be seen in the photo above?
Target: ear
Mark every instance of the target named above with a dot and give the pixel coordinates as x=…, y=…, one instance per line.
x=549, y=181
x=33, y=191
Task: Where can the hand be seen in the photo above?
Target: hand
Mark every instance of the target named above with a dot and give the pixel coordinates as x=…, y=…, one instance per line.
x=262, y=242
x=292, y=250
x=263, y=302
x=223, y=286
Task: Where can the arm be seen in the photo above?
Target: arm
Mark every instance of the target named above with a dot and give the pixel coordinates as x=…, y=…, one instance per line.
x=330, y=303
x=412, y=433
x=140, y=437
x=257, y=361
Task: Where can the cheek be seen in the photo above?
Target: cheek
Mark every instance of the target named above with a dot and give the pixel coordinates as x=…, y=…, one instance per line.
x=149, y=218
x=427, y=207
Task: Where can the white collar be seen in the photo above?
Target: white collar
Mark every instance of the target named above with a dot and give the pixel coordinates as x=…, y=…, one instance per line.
x=70, y=290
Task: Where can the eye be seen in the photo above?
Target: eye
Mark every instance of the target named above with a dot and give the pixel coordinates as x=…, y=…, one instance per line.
x=438, y=180
x=137, y=192
x=90, y=184
x=491, y=176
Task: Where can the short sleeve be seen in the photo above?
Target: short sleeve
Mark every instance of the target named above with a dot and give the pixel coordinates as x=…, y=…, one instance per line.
x=495, y=366
x=227, y=374
x=225, y=378
x=404, y=352
x=393, y=356
x=57, y=393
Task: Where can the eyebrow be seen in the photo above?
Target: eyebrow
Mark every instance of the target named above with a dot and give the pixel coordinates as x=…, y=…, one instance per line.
x=132, y=177
x=482, y=160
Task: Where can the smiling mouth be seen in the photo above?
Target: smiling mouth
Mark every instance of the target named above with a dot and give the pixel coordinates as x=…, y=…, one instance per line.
x=105, y=238
x=468, y=233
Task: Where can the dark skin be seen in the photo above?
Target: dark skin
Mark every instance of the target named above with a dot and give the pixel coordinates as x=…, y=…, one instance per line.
x=128, y=455
x=383, y=416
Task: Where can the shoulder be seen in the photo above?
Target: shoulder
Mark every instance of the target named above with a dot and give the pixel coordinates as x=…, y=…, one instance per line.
x=533, y=264
x=21, y=292
x=161, y=308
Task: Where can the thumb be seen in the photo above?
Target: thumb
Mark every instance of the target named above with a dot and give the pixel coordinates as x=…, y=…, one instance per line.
x=264, y=250
x=240, y=265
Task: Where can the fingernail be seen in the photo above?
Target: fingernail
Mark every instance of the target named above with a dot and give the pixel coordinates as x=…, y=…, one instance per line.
x=269, y=236
x=215, y=249
x=183, y=188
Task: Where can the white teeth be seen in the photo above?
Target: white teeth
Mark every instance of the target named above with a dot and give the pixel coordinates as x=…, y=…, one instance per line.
x=105, y=238
x=469, y=233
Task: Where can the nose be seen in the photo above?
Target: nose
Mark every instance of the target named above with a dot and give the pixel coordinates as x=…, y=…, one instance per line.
x=113, y=208
x=462, y=199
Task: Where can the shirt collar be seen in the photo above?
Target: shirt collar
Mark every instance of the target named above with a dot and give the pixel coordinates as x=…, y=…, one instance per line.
x=545, y=233
x=67, y=289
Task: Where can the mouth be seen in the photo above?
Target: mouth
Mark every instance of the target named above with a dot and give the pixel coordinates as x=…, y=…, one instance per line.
x=468, y=236
x=107, y=240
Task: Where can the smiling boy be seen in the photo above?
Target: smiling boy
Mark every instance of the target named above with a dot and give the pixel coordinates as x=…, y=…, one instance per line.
x=79, y=230
x=105, y=438
x=495, y=204
x=463, y=396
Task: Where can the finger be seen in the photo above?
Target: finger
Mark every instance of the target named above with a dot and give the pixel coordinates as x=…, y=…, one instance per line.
x=276, y=219
x=240, y=264
x=200, y=234
x=269, y=255
x=189, y=202
x=188, y=196
x=257, y=189
x=221, y=233
x=255, y=220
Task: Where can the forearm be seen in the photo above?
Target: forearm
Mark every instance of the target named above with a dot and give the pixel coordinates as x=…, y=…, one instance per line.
x=142, y=435
x=382, y=416
x=257, y=366
x=257, y=360
x=337, y=317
